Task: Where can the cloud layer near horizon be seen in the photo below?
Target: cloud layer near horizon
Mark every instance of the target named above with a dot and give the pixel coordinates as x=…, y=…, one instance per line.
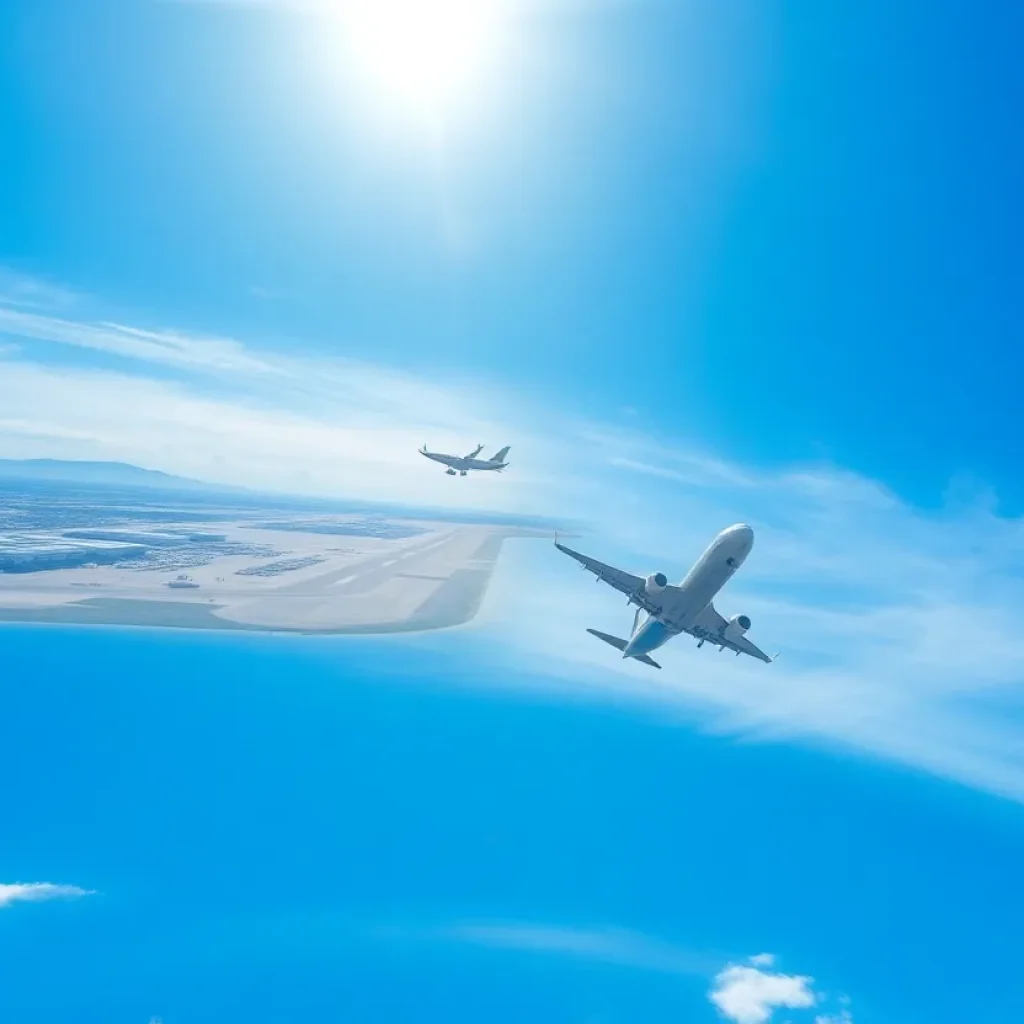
x=216, y=409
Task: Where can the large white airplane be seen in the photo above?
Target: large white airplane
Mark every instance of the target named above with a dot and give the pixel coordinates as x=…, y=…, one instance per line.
x=686, y=608
x=463, y=463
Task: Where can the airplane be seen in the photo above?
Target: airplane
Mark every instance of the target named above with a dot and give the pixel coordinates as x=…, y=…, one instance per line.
x=686, y=608
x=463, y=463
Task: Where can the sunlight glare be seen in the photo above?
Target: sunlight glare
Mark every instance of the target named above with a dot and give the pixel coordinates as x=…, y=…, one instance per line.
x=426, y=57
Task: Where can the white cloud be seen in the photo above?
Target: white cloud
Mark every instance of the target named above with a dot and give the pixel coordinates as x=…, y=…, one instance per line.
x=37, y=892
x=763, y=960
x=749, y=995
x=842, y=1017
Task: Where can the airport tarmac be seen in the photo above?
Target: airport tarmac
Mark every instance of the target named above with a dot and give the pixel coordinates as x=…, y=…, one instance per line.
x=358, y=584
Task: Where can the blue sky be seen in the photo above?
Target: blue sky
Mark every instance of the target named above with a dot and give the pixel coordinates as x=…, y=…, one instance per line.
x=694, y=262
x=272, y=829
x=702, y=212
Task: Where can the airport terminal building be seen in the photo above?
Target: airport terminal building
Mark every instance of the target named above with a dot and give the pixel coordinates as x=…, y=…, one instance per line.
x=31, y=552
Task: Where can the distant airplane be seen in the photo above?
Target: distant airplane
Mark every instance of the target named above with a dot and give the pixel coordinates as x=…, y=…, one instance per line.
x=686, y=608
x=463, y=463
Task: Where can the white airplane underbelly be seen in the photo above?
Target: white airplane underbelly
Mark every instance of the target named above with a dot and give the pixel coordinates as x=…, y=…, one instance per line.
x=700, y=592
x=713, y=570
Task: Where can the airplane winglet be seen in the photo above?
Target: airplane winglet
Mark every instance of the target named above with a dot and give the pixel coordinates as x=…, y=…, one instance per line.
x=775, y=656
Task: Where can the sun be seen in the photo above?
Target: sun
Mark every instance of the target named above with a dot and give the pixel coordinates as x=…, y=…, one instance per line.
x=428, y=58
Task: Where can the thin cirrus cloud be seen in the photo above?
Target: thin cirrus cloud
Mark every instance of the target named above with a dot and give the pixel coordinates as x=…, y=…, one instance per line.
x=38, y=892
x=28, y=291
x=842, y=1017
x=233, y=364
x=618, y=947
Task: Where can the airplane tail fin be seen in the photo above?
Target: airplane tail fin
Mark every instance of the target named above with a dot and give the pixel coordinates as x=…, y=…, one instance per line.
x=500, y=456
x=620, y=644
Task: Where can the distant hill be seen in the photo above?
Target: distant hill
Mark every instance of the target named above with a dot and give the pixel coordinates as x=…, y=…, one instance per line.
x=106, y=474
x=122, y=476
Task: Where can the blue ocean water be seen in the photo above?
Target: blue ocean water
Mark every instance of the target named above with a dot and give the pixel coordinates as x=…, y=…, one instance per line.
x=290, y=829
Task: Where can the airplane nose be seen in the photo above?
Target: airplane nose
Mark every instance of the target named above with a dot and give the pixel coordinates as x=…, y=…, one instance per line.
x=744, y=534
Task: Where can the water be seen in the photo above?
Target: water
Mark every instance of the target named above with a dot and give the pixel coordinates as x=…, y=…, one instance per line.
x=284, y=829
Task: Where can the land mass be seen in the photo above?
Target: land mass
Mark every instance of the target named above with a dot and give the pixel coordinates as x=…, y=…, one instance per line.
x=105, y=474
x=107, y=558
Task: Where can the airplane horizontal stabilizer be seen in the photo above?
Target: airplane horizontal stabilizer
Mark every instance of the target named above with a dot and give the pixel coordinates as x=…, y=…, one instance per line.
x=620, y=644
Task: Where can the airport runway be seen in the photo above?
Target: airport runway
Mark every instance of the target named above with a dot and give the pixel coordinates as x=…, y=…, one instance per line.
x=433, y=582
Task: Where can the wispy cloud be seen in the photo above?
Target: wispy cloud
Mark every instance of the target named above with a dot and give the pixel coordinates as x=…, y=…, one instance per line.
x=842, y=1017
x=38, y=892
x=30, y=291
x=163, y=347
x=618, y=947
x=747, y=994
x=312, y=381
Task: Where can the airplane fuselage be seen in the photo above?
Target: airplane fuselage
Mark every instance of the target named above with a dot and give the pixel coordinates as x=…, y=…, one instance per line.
x=683, y=605
x=458, y=462
x=465, y=463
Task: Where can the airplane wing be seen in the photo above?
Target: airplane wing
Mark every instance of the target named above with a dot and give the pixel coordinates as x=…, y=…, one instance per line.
x=710, y=626
x=624, y=582
x=473, y=454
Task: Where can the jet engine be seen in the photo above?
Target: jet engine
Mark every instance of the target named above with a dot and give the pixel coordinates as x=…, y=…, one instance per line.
x=736, y=627
x=655, y=584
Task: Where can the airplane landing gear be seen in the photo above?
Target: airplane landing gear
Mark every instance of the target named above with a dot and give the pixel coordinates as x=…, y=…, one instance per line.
x=462, y=472
x=450, y=472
